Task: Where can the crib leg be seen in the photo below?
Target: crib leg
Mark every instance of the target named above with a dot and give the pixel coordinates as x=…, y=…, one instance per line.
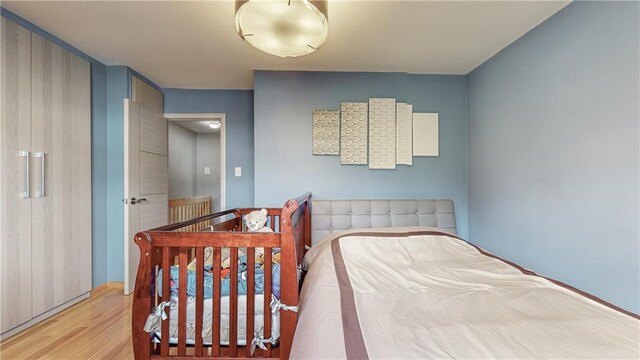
x=141, y=348
x=142, y=303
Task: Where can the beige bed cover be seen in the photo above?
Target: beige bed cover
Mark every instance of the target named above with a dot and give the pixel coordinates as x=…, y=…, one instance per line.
x=419, y=293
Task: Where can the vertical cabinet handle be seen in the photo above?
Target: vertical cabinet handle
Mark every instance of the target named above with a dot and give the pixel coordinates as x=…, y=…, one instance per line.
x=27, y=186
x=41, y=156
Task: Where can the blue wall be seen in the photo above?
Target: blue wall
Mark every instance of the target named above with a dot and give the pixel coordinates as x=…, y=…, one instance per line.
x=99, y=171
x=238, y=107
x=118, y=88
x=117, y=91
x=554, y=150
x=284, y=164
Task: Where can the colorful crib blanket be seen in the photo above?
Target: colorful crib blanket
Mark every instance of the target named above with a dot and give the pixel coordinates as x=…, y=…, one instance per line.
x=225, y=283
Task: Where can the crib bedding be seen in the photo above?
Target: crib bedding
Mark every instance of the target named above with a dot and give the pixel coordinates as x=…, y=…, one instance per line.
x=224, y=321
x=422, y=293
x=154, y=320
x=225, y=282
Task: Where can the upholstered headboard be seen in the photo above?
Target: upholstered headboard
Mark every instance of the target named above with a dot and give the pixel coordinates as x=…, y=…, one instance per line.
x=330, y=216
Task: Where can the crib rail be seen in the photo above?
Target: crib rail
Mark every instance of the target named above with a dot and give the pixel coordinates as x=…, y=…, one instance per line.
x=203, y=222
x=188, y=208
x=163, y=247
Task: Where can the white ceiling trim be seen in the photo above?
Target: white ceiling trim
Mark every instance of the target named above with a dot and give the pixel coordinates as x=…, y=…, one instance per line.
x=193, y=116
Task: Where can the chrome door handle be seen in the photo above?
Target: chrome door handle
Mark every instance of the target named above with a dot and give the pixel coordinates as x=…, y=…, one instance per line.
x=135, y=201
x=41, y=156
x=27, y=186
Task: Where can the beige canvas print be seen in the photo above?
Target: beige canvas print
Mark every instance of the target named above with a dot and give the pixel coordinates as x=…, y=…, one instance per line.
x=404, y=132
x=353, y=133
x=326, y=132
x=382, y=133
x=425, y=134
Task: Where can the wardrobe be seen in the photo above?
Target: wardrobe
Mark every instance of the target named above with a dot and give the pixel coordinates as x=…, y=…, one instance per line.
x=45, y=178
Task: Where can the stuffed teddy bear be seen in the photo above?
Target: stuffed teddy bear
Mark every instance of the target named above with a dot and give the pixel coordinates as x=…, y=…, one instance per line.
x=275, y=258
x=255, y=221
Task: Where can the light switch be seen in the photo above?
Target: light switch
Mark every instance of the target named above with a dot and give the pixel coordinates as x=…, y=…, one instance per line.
x=207, y=170
x=238, y=171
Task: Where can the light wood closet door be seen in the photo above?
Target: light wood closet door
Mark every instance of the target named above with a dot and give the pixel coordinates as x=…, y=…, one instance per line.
x=15, y=208
x=61, y=214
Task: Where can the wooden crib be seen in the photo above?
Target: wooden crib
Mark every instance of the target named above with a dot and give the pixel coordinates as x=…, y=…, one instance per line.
x=162, y=247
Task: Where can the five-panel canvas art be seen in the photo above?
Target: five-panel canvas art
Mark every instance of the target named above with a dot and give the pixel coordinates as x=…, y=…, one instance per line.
x=382, y=133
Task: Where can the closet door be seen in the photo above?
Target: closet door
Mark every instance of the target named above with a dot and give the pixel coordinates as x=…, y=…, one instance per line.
x=61, y=214
x=15, y=205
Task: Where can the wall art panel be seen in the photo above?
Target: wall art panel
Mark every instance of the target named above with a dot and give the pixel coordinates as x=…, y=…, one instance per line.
x=326, y=132
x=404, y=138
x=353, y=133
x=425, y=134
x=382, y=133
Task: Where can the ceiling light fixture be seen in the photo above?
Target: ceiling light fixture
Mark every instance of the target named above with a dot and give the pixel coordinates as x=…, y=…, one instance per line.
x=214, y=125
x=285, y=28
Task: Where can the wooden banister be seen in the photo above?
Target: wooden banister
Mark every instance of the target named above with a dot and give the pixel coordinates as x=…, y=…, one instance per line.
x=189, y=208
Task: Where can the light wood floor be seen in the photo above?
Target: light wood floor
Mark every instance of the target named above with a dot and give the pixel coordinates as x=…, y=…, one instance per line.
x=97, y=328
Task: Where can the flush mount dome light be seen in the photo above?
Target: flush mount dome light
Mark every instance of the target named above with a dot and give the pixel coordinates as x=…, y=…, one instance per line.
x=214, y=125
x=285, y=28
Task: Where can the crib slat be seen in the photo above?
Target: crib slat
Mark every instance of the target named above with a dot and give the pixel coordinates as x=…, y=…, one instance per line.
x=215, y=331
x=233, y=302
x=166, y=297
x=251, y=264
x=272, y=222
x=182, y=303
x=199, y=298
x=266, y=320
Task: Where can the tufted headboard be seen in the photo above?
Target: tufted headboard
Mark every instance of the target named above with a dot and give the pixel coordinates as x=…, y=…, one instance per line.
x=330, y=216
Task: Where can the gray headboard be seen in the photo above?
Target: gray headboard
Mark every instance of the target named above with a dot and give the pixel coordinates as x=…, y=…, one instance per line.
x=330, y=216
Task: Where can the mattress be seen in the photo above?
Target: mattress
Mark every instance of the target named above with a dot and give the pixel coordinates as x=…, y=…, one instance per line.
x=421, y=293
x=224, y=321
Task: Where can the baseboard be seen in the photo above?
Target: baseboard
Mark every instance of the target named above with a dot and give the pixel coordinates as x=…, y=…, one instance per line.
x=108, y=285
x=9, y=333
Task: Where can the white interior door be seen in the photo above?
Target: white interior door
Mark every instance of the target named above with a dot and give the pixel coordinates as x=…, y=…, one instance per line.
x=146, y=179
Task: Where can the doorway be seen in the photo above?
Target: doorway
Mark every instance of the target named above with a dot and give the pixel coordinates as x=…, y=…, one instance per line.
x=196, y=165
x=146, y=175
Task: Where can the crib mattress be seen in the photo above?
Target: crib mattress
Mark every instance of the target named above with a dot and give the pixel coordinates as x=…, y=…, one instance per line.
x=224, y=321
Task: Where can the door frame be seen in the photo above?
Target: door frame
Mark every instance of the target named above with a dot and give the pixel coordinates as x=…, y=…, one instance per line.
x=179, y=117
x=128, y=288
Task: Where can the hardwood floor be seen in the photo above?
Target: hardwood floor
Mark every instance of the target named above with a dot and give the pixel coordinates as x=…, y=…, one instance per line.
x=97, y=328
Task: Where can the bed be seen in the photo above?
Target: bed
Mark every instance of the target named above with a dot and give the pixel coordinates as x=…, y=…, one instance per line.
x=182, y=315
x=391, y=279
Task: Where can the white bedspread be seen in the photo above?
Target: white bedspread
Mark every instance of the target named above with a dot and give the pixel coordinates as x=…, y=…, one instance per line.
x=395, y=295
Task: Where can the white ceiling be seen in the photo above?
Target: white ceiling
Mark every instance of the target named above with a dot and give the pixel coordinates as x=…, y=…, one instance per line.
x=193, y=44
x=198, y=127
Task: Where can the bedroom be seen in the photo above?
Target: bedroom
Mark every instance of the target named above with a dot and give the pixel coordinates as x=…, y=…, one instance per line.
x=538, y=142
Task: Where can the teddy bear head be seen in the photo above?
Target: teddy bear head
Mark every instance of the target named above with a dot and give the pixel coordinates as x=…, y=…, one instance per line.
x=256, y=221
